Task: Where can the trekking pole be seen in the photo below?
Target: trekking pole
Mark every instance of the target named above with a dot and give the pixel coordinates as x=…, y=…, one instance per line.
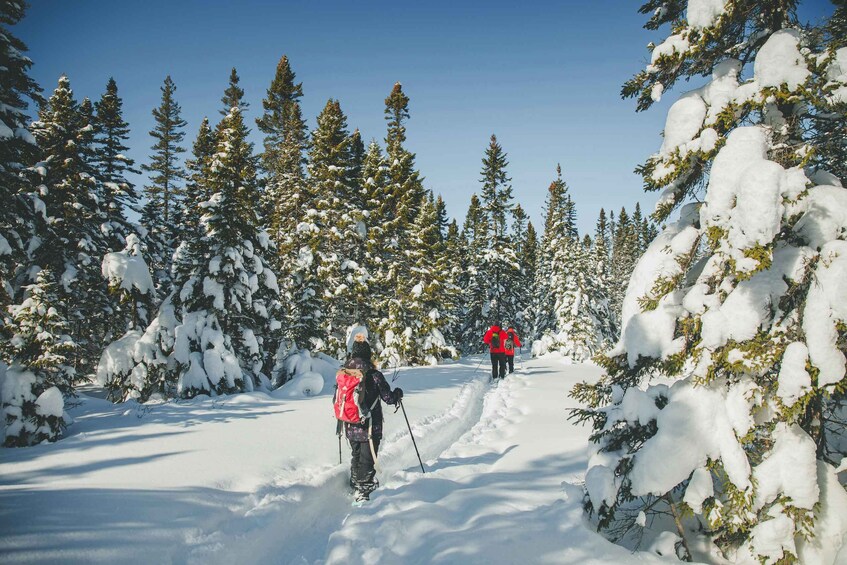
x=400, y=402
x=480, y=365
x=338, y=433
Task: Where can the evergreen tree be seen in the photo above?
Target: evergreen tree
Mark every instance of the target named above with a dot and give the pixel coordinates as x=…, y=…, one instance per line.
x=472, y=281
x=73, y=240
x=41, y=371
x=197, y=190
x=499, y=267
x=624, y=254
x=573, y=314
x=111, y=169
x=233, y=95
x=736, y=306
x=283, y=157
x=286, y=197
x=218, y=331
x=454, y=251
x=17, y=152
x=423, y=315
x=162, y=214
x=338, y=240
x=403, y=198
x=379, y=256
x=110, y=134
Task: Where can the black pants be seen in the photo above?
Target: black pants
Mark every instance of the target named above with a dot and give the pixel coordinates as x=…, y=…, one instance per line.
x=510, y=361
x=498, y=365
x=362, y=472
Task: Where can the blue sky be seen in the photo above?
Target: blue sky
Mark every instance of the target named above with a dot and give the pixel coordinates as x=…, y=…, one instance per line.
x=543, y=76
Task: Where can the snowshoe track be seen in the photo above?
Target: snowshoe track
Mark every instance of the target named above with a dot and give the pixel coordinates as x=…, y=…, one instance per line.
x=290, y=518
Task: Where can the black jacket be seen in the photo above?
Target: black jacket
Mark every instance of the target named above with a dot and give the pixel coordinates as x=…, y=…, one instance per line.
x=375, y=387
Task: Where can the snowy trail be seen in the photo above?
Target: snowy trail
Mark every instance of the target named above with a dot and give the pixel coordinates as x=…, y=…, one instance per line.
x=289, y=520
x=254, y=478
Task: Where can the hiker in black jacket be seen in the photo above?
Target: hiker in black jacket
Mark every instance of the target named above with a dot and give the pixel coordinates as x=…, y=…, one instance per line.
x=362, y=471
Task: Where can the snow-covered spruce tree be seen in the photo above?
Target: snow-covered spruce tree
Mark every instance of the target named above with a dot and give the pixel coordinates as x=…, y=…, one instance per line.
x=196, y=188
x=162, y=213
x=283, y=161
x=381, y=208
x=129, y=279
x=454, y=250
x=624, y=254
x=428, y=296
x=233, y=95
x=723, y=407
x=499, y=264
x=111, y=169
x=337, y=231
x=72, y=240
x=543, y=302
x=475, y=313
x=582, y=323
x=40, y=372
x=229, y=307
x=404, y=190
x=17, y=153
x=218, y=331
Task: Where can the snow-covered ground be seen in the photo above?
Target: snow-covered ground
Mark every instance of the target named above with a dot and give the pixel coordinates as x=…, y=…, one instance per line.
x=255, y=478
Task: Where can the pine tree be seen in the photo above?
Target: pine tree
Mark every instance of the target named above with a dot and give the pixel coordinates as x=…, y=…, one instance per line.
x=624, y=254
x=379, y=256
x=17, y=152
x=219, y=330
x=233, y=95
x=454, y=251
x=162, y=214
x=573, y=314
x=474, y=286
x=197, y=190
x=499, y=267
x=111, y=169
x=423, y=315
x=283, y=156
x=72, y=240
x=41, y=371
x=404, y=194
x=338, y=237
x=736, y=307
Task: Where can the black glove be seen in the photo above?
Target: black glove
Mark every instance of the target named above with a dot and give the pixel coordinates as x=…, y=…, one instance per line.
x=398, y=394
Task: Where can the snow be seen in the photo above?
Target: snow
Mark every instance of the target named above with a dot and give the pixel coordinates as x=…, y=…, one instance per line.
x=127, y=269
x=50, y=403
x=695, y=427
x=252, y=478
x=700, y=488
x=684, y=120
x=837, y=75
x=826, y=306
x=785, y=470
x=794, y=379
x=779, y=61
x=704, y=13
x=824, y=215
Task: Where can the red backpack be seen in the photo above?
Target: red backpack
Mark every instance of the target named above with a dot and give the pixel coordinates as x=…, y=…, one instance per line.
x=349, y=403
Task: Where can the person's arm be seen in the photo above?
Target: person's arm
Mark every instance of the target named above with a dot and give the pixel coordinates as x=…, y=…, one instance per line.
x=487, y=339
x=385, y=393
x=517, y=340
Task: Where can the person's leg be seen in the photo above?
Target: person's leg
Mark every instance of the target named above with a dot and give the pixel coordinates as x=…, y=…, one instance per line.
x=493, y=366
x=368, y=483
x=502, y=361
x=510, y=361
x=355, y=464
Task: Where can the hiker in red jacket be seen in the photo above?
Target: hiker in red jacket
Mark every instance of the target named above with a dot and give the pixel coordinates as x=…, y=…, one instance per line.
x=512, y=341
x=494, y=338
